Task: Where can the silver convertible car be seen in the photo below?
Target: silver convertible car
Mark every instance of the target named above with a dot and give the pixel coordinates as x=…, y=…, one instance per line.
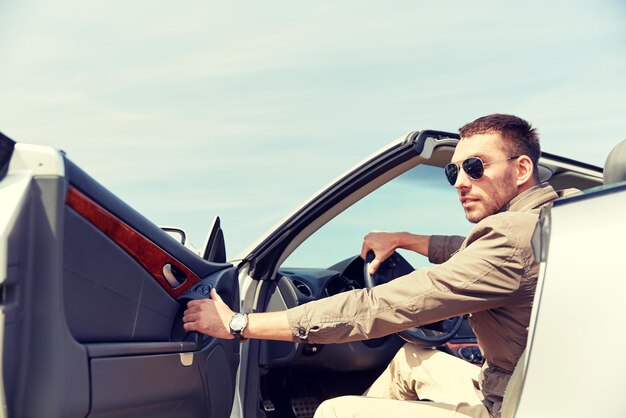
x=93, y=292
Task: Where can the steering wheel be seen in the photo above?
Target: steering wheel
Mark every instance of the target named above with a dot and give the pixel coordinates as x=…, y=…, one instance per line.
x=447, y=328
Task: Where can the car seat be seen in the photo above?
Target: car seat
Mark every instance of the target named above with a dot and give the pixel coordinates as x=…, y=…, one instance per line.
x=615, y=165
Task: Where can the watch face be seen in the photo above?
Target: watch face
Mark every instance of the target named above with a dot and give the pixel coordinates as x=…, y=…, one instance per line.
x=238, y=322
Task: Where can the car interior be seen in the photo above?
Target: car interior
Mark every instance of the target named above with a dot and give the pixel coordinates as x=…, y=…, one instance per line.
x=296, y=377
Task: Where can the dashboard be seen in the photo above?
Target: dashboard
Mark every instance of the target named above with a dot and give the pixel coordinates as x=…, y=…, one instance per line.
x=295, y=286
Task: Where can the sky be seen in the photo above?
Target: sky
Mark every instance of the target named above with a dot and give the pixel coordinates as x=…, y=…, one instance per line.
x=188, y=110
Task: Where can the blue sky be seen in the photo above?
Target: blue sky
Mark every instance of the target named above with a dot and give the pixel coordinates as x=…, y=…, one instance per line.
x=193, y=109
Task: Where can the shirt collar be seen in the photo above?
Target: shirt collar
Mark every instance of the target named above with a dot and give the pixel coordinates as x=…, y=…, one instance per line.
x=533, y=198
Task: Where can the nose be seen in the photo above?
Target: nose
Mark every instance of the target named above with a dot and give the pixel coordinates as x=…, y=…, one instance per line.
x=462, y=181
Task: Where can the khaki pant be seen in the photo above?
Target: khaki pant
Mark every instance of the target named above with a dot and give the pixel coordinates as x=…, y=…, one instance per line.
x=419, y=382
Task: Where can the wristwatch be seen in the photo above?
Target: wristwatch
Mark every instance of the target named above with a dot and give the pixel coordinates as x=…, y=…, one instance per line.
x=237, y=324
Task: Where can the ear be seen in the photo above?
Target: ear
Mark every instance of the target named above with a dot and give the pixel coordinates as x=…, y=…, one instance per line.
x=525, y=170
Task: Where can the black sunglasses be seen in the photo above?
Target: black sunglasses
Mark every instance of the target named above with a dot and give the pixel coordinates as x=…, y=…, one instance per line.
x=473, y=166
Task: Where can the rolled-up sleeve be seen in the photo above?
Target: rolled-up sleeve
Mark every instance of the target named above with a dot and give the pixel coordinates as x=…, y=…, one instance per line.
x=442, y=247
x=482, y=276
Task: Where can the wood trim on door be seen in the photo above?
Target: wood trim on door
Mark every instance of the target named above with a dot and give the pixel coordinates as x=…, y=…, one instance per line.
x=149, y=255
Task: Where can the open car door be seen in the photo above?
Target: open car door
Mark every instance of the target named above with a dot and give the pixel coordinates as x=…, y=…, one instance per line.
x=93, y=300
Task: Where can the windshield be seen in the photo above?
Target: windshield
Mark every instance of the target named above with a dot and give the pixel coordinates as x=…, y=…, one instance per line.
x=418, y=201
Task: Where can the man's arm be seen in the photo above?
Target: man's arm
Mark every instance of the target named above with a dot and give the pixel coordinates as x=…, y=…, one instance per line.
x=487, y=274
x=483, y=276
x=211, y=317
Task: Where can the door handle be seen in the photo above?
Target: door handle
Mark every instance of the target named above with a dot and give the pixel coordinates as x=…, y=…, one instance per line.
x=173, y=275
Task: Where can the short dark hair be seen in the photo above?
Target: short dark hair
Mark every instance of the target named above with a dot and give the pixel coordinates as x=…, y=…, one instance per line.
x=519, y=137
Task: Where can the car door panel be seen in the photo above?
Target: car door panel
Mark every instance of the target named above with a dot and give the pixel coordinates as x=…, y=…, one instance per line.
x=165, y=385
x=145, y=252
x=46, y=372
x=108, y=295
x=147, y=386
x=92, y=327
x=125, y=215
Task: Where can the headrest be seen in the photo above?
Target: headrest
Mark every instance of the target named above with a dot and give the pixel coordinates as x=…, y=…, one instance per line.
x=615, y=165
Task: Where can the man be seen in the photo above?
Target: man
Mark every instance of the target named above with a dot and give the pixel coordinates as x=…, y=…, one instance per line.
x=490, y=275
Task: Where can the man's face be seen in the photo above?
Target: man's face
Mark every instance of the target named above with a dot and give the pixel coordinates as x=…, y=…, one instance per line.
x=487, y=195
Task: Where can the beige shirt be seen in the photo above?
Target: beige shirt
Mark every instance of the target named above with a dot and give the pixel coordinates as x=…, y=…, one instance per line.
x=492, y=276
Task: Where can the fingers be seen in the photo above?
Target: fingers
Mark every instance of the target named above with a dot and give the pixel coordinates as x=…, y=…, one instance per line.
x=189, y=323
x=196, y=303
x=191, y=326
x=374, y=266
x=190, y=319
x=368, y=241
x=192, y=315
x=364, y=251
x=382, y=244
x=208, y=316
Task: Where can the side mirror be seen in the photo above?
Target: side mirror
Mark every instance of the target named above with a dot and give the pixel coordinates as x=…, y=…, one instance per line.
x=214, y=246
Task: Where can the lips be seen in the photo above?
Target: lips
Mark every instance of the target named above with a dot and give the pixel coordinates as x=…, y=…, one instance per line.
x=468, y=201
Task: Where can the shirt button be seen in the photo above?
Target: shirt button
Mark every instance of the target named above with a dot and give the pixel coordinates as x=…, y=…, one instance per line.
x=301, y=331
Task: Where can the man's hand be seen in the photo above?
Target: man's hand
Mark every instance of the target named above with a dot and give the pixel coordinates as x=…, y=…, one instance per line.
x=208, y=316
x=383, y=244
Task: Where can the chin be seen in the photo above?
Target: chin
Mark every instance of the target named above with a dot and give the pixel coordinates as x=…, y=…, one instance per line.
x=475, y=216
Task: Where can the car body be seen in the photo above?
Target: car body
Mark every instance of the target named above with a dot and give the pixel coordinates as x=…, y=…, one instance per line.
x=94, y=292
x=579, y=297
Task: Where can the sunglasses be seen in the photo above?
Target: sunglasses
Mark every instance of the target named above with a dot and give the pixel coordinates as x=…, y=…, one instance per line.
x=473, y=166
